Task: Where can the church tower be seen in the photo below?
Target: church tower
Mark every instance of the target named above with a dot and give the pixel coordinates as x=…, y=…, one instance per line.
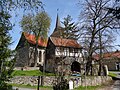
x=58, y=28
x=58, y=25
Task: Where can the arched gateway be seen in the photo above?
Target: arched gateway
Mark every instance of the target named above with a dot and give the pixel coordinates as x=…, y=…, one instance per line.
x=75, y=67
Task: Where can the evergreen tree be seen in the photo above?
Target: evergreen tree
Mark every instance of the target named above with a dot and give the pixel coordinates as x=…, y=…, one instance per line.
x=71, y=30
x=6, y=55
x=6, y=61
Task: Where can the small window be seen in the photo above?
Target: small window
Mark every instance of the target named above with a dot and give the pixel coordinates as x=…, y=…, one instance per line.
x=61, y=49
x=40, y=53
x=76, y=50
x=43, y=55
x=71, y=50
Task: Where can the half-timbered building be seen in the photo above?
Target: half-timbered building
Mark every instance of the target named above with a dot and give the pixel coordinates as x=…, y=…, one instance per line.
x=62, y=53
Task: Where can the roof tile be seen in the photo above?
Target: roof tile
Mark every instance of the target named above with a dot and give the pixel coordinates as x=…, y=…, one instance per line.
x=109, y=55
x=65, y=42
x=31, y=39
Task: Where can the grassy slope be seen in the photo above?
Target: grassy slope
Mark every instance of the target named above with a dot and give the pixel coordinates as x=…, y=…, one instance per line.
x=30, y=73
x=112, y=74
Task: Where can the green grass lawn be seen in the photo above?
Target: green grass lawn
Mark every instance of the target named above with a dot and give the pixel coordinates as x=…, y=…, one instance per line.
x=88, y=88
x=112, y=74
x=30, y=73
x=29, y=86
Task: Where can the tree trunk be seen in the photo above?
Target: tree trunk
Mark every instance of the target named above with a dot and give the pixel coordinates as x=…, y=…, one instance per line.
x=89, y=67
x=100, y=72
x=100, y=69
x=36, y=54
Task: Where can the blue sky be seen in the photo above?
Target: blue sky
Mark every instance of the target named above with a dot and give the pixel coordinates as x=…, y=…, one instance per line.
x=65, y=7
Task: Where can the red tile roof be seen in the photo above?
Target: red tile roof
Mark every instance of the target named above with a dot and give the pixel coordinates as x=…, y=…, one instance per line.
x=31, y=39
x=110, y=55
x=65, y=42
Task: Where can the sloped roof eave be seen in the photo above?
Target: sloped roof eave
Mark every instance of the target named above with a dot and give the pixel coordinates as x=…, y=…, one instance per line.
x=108, y=56
x=31, y=39
x=55, y=41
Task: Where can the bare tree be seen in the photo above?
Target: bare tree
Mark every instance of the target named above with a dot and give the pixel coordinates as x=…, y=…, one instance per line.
x=115, y=9
x=105, y=41
x=96, y=20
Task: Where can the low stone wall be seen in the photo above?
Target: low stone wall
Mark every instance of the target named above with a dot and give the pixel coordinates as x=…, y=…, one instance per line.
x=48, y=80
x=91, y=80
x=33, y=80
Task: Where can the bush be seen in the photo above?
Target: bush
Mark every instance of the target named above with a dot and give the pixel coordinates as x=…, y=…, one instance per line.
x=5, y=86
x=63, y=85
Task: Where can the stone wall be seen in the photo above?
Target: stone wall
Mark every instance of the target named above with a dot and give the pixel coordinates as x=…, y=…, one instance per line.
x=32, y=80
x=91, y=80
x=48, y=80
